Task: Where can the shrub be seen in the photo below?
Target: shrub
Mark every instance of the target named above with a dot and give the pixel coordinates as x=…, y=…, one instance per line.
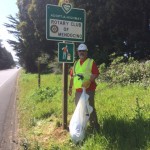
x=125, y=73
x=44, y=94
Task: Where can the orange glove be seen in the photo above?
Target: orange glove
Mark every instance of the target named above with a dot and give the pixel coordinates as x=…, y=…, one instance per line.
x=86, y=84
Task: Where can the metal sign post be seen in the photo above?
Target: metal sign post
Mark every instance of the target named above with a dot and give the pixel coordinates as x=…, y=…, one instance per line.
x=39, y=73
x=65, y=55
x=64, y=23
x=65, y=94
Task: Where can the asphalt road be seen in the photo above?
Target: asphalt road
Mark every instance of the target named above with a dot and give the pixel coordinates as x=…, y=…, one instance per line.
x=8, y=113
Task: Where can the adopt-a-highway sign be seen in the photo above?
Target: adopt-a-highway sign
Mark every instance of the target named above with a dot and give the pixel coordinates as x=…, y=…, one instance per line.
x=64, y=23
x=65, y=52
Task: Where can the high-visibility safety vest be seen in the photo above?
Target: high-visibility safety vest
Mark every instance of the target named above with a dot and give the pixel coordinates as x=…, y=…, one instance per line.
x=79, y=71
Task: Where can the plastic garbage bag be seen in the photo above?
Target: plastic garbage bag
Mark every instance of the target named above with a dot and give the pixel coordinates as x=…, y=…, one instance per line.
x=80, y=118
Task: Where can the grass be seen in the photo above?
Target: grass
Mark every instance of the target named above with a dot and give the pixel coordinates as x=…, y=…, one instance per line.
x=123, y=113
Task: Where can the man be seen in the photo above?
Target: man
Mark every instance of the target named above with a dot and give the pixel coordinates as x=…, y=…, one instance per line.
x=65, y=51
x=83, y=74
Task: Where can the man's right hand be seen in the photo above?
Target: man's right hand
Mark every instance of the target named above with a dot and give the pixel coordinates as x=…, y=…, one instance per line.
x=70, y=91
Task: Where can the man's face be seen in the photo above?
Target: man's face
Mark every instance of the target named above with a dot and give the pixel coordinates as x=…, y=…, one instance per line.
x=82, y=54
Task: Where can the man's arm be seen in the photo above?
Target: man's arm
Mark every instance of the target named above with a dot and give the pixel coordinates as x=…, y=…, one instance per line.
x=71, y=83
x=93, y=77
x=95, y=72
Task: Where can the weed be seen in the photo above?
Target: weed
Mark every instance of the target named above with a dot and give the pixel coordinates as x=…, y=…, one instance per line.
x=44, y=94
x=55, y=147
x=123, y=113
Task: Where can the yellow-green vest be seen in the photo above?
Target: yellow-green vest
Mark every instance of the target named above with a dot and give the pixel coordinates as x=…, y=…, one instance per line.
x=85, y=70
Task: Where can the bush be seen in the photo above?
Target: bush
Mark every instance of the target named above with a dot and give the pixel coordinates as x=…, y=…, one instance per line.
x=44, y=94
x=125, y=73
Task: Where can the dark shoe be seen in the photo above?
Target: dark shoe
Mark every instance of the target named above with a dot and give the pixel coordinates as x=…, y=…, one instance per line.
x=96, y=127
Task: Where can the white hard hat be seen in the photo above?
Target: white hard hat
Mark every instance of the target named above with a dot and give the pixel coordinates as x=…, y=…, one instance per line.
x=82, y=47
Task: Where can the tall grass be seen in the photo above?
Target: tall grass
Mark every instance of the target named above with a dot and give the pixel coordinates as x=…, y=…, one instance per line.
x=123, y=113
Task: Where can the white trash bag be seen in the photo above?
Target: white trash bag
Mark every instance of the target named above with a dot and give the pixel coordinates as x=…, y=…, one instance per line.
x=80, y=118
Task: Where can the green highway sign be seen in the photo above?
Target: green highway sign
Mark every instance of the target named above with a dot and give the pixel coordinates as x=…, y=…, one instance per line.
x=65, y=23
x=66, y=52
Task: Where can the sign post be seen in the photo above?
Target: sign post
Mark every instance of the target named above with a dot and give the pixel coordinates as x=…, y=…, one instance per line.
x=65, y=95
x=64, y=23
x=39, y=73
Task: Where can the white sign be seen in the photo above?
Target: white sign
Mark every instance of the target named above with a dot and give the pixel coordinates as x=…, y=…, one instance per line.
x=65, y=29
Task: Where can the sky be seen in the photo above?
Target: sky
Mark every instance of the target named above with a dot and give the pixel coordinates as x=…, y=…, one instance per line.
x=7, y=7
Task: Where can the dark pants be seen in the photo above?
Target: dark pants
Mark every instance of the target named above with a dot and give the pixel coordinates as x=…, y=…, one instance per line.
x=93, y=117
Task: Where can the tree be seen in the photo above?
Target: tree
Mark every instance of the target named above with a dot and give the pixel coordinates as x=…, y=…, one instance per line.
x=32, y=27
x=112, y=26
x=6, y=59
x=117, y=26
x=29, y=29
x=17, y=44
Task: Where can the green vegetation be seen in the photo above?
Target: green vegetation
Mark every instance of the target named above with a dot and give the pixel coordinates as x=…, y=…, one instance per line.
x=125, y=71
x=123, y=113
x=120, y=26
x=6, y=59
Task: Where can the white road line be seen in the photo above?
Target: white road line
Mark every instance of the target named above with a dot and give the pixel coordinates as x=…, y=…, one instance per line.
x=8, y=77
x=3, y=82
